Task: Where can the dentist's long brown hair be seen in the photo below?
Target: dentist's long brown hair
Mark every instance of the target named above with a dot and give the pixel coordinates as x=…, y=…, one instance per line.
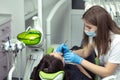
x=99, y=17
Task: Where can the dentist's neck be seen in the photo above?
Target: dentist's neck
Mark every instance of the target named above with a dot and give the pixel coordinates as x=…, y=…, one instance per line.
x=90, y=40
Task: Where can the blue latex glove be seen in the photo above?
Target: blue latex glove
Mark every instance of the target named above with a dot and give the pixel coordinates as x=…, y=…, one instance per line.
x=72, y=57
x=63, y=48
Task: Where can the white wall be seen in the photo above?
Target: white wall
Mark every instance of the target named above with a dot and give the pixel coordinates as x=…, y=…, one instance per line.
x=17, y=11
x=77, y=26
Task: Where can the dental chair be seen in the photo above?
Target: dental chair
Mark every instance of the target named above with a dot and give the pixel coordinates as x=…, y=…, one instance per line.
x=60, y=74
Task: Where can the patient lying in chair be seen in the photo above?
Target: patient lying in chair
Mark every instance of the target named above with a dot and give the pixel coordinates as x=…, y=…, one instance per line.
x=53, y=67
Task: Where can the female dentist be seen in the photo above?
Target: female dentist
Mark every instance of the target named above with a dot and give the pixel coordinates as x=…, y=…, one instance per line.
x=102, y=35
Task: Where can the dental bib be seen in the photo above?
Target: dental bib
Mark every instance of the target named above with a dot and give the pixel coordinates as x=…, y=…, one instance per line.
x=51, y=76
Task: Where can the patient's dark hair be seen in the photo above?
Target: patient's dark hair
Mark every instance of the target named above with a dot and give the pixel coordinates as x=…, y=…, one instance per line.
x=49, y=64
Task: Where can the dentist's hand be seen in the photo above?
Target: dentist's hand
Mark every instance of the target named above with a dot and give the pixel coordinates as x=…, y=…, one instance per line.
x=63, y=48
x=72, y=57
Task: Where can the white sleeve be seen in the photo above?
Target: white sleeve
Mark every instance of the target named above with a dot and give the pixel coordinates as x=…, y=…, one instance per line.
x=114, y=56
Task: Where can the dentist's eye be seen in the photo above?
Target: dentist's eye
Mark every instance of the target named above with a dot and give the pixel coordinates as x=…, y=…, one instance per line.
x=87, y=27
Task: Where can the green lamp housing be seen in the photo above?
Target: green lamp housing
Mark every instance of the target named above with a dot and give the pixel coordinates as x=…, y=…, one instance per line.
x=30, y=37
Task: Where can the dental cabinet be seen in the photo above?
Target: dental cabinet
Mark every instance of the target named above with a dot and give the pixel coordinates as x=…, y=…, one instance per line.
x=5, y=30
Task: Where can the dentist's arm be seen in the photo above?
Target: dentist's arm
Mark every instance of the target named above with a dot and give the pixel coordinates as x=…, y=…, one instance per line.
x=85, y=52
x=105, y=71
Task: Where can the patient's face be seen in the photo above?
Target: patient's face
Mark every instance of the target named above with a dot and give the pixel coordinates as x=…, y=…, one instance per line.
x=57, y=55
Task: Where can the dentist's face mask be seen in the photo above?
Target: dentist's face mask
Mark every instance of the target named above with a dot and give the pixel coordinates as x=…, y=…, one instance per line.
x=90, y=33
x=90, y=29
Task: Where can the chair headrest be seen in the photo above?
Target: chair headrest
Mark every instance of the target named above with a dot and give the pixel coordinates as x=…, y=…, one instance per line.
x=51, y=76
